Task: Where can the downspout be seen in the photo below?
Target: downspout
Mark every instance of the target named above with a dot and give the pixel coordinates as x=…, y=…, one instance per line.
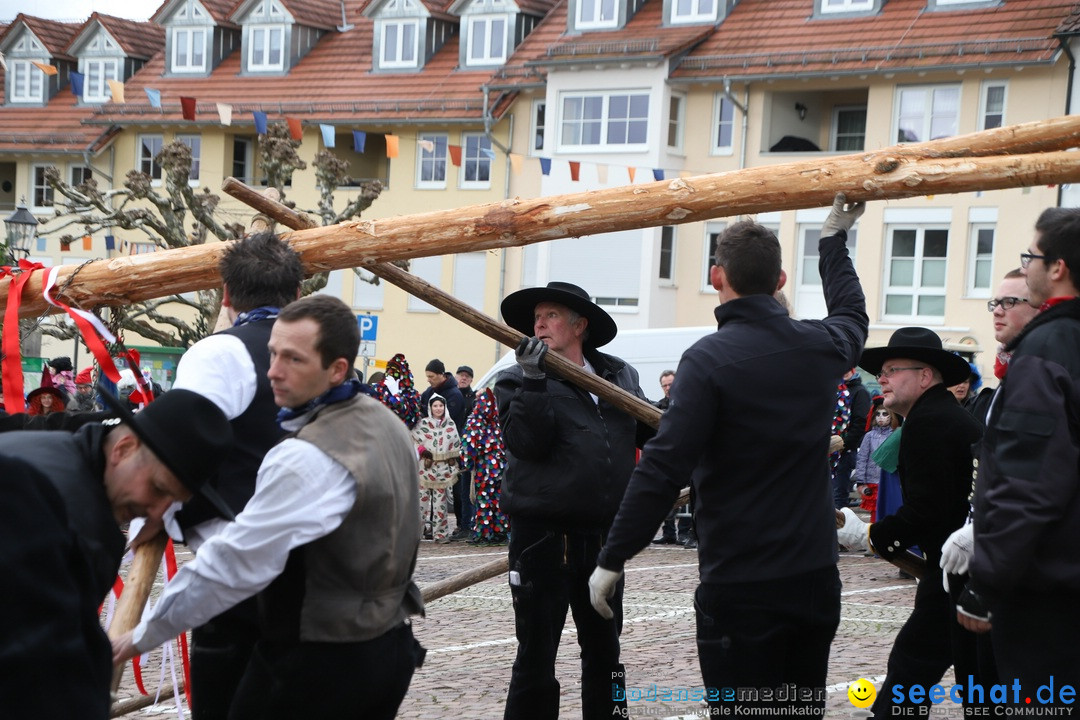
x=745, y=118
x=488, y=122
x=1064, y=43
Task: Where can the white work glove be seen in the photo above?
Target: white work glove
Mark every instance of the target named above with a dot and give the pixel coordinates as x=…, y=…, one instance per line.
x=839, y=218
x=956, y=553
x=530, y=354
x=601, y=588
x=853, y=535
x=392, y=385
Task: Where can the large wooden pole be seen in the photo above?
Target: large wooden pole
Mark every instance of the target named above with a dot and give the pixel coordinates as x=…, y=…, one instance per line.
x=891, y=173
x=137, y=587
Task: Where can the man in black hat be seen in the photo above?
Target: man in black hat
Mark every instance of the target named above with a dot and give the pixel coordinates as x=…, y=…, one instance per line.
x=935, y=467
x=570, y=456
x=63, y=499
x=768, y=604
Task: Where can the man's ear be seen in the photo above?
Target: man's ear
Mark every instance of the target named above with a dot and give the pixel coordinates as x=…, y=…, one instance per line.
x=226, y=301
x=717, y=278
x=782, y=282
x=339, y=370
x=124, y=447
x=582, y=326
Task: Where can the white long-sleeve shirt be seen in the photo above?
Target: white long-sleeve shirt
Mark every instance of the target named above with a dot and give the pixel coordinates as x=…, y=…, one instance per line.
x=301, y=494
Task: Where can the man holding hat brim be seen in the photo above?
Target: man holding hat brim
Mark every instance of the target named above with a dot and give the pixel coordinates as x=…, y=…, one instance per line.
x=63, y=499
x=935, y=468
x=570, y=457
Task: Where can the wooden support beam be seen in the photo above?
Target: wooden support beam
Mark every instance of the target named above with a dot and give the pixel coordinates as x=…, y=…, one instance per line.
x=137, y=587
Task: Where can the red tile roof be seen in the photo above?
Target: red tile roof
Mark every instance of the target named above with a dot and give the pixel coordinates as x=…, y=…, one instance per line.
x=219, y=10
x=313, y=13
x=140, y=40
x=53, y=129
x=1071, y=24
x=769, y=38
x=53, y=34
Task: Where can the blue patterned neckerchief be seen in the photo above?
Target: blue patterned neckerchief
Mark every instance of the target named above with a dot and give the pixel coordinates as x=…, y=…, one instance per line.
x=292, y=419
x=265, y=312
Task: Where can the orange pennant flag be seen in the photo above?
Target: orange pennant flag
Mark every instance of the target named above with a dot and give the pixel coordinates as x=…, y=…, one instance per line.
x=47, y=69
x=455, y=154
x=516, y=161
x=575, y=170
x=630, y=171
x=87, y=243
x=392, y=146
x=296, y=130
x=117, y=89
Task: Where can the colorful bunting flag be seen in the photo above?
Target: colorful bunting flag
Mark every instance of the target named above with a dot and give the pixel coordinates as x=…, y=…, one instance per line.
x=516, y=161
x=426, y=145
x=392, y=146
x=359, y=139
x=327, y=135
x=42, y=244
x=601, y=174
x=488, y=152
x=545, y=166
x=260, y=121
x=224, y=111
x=631, y=170
x=47, y=69
x=117, y=89
x=110, y=242
x=187, y=107
x=455, y=154
x=575, y=170
x=296, y=128
x=76, y=83
x=658, y=173
x=87, y=243
x=154, y=96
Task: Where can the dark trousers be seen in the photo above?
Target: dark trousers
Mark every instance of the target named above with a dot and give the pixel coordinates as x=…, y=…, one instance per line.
x=361, y=680
x=463, y=506
x=929, y=642
x=1036, y=637
x=772, y=634
x=841, y=479
x=220, y=650
x=552, y=571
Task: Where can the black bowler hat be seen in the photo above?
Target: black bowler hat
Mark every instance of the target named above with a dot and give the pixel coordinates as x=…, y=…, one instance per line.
x=187, y=433
x=518, y=310
x=918, y=344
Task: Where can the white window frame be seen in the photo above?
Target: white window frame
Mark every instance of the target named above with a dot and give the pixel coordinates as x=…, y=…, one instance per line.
x=676, y=120
x=596, y=18
x=539, y=127
x=474, y=155
x=186, y=36
x=917, y=290
x=438, y=156
x=926, y=131
x=258, y=59
x=426, y=268
x=721, y=103
x=696, y=14
x=108, y=69
x=488, y=55
x=27, y=81
x=470, y=270
x=397, y=27
x=81, y=170
x=977, y=260
x=834, y=133
x=365, y=295
x=605, y=120
x=708, y=248
x=669, y=235
x=193, y=141
x=248, y=160
x=984, y=103
x=143, y=160
x=808, y=295
x=39, y=186
x=844, y=6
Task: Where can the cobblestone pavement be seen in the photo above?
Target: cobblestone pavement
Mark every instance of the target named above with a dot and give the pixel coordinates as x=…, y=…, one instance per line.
x=470, y=636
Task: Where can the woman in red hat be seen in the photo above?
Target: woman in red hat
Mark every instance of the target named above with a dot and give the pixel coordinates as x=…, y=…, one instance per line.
x=44, y=401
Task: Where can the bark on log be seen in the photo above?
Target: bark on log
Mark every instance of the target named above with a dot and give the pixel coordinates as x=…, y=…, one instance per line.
x=452, y=584
x=139, y=702
x=884, y=174
x=137, y=586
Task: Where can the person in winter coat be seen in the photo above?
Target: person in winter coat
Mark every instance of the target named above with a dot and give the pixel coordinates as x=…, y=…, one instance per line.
x=882, y=421
x=439, y=447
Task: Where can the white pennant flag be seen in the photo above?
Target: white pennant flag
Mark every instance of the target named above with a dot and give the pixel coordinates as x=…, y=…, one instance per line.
x=224, y=111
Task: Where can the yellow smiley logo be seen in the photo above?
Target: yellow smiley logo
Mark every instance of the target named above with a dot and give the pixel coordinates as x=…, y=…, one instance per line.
x=861, y=693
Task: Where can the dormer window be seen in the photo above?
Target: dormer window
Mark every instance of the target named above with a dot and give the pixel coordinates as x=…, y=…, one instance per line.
x=692, y=11
x=487, y=39
x=265, y=49
x=188, y=50
x=838, y=6
x=96, y=83
x=596, y=14
x=27, y=80
x=400, y=43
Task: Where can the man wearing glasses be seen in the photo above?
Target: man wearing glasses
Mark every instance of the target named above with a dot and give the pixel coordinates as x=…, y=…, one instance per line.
x=1025, y=571
x=935, y=465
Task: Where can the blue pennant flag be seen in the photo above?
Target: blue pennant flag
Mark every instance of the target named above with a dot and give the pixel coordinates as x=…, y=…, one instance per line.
x=545, y=165
x=658, y=173
x=359, y=139
x=110, y=242
x=260, y=121
x=154, y=96
x=327, y=135
x=488, y=152
x=77, y=83
x=42, y=244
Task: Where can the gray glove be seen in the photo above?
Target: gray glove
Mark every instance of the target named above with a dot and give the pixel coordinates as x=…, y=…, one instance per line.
x=530, y=354
x=601, y=589
x=839, y=218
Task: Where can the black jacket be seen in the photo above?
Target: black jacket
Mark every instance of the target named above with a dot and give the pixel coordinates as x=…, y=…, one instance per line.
x=455, y=402
x=759, y=465
x=569, y=458
x=1027, y=505
x=860, y=408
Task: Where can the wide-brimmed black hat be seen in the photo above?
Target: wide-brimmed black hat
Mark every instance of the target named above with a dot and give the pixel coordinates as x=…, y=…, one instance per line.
x=918, y=344
x=518, y=310
x=187, y=433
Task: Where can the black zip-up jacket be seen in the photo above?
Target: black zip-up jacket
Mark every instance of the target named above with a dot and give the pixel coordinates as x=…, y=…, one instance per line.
x=569, y=457
x=758, y=461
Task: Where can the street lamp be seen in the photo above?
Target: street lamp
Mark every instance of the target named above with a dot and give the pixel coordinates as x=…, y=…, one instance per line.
x=21, y=228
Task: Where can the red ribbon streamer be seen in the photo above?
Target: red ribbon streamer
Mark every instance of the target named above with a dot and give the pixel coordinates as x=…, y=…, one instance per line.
x=170, y=571
x=11, y=372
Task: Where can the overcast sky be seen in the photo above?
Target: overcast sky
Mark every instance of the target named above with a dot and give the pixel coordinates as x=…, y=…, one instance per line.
x=78, y=9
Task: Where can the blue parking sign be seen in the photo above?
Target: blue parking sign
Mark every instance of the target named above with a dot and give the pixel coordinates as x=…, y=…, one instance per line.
x=369, y=326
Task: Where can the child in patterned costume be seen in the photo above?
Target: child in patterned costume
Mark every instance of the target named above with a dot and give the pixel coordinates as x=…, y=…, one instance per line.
x=439, y=447
x=484, y=452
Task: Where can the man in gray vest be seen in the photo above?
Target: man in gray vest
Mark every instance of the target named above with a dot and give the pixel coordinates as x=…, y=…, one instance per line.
x=328, y=541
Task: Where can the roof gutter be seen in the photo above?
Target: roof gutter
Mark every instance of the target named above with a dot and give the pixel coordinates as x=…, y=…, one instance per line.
x=860, y=72
x=1063, y=41
x=489, y=121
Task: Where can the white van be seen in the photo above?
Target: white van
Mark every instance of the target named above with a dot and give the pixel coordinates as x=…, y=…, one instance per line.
x=650, y=351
